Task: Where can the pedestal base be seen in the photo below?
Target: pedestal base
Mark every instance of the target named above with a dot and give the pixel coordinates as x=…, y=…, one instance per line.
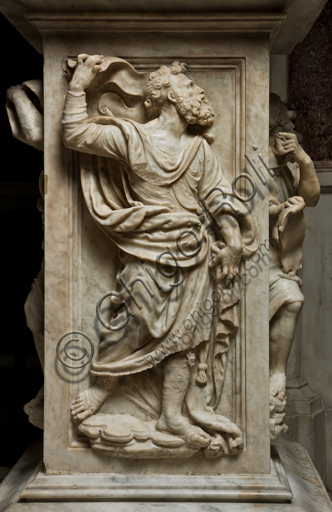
x=308, y=491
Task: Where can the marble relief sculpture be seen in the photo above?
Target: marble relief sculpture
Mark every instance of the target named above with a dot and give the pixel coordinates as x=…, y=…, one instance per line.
x=144, y=185
x=150, y=180
x=293, y=187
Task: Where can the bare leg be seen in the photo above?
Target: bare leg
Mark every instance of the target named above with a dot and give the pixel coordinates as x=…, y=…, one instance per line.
x=176, y=378
x=282, y=332
x=89, y=401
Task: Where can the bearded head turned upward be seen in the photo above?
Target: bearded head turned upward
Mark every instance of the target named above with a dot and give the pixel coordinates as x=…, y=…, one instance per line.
x=195, y=110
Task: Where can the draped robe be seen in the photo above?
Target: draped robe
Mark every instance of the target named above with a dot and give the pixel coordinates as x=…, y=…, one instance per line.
x=156, y=207
x=285, y=287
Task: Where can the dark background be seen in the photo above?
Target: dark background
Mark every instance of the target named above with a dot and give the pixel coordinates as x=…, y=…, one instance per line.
x=21, y=235
x=310, y=86
x=310, y=89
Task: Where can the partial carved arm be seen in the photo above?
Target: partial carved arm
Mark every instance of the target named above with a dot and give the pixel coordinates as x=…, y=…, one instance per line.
x=287, y=147
x=228, y=255
x=79, y=133
x=309, y=187
x=25, y=119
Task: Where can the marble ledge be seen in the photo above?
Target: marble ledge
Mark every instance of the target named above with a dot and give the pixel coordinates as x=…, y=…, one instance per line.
x=324, y=173
x=301, y=14
x=309, y=492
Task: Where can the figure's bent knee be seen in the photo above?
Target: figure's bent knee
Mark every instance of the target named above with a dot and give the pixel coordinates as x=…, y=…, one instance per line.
x=294, y=307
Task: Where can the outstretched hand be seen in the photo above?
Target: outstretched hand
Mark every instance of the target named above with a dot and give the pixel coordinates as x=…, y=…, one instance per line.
x=276, y=209
x=87, y=68
x=293, y=201
x=226, y=261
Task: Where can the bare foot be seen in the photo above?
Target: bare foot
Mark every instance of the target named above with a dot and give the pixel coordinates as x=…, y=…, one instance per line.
x=277, y=405
x=88, y=402
x=230, y=431
x=217, y=447
x=180, y=426
x=277, y=425
x=210, y=419
x=278, y=385
x=236, y=445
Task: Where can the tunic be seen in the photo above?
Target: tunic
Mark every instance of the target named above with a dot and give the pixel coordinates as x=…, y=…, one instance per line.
x=283, y=288
x=156, y=208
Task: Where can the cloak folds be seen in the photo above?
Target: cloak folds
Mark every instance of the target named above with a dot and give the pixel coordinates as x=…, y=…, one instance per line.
x=147, y=228
x=150, y=204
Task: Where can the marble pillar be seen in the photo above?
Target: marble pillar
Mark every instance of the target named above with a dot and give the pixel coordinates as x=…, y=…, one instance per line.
x=156, y=212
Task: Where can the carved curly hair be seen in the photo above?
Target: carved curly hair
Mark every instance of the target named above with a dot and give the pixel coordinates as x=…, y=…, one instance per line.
x=155, y=89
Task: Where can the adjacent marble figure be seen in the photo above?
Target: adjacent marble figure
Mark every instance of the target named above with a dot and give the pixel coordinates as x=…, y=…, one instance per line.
x=25, y=113
x=294, y=186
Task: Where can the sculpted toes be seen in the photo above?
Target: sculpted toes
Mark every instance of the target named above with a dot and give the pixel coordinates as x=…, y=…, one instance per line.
x=273, y=391
x=236, y=443
x=78, y=399
x=199, y=437
x=79, y=409
x=82, y=416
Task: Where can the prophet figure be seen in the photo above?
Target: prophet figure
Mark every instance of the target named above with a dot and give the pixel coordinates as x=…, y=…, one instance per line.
x=150, y=187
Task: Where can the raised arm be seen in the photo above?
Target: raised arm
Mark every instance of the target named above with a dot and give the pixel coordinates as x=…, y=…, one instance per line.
x=79, y=133
x=309, y=188
x=26, y=120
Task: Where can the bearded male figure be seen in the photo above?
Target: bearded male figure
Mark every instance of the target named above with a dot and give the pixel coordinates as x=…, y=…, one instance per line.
x=150, y=192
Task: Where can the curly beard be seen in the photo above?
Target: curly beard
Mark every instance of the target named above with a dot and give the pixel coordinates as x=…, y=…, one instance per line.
x=196, y=111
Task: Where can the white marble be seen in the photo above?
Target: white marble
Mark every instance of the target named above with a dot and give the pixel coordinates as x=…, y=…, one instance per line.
x=298, y=15
x=81, y=261
x=293, y=186
x=133, y=149
x=27, y=466
x=180, y=127
x=309, y=494
x=154, y=199
x=190, y=487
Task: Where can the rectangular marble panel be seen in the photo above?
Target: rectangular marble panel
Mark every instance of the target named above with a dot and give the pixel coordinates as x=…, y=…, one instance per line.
x=80, y=261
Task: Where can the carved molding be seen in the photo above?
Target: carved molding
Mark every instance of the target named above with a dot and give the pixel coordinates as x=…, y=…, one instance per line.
x=224, y=76
x=109, y=487
x=235, y=23
x=324, y=173
x=235, y=69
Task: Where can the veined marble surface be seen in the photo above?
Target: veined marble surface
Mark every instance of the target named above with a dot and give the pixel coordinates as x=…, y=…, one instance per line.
x=81, y=263
x=309, y=492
